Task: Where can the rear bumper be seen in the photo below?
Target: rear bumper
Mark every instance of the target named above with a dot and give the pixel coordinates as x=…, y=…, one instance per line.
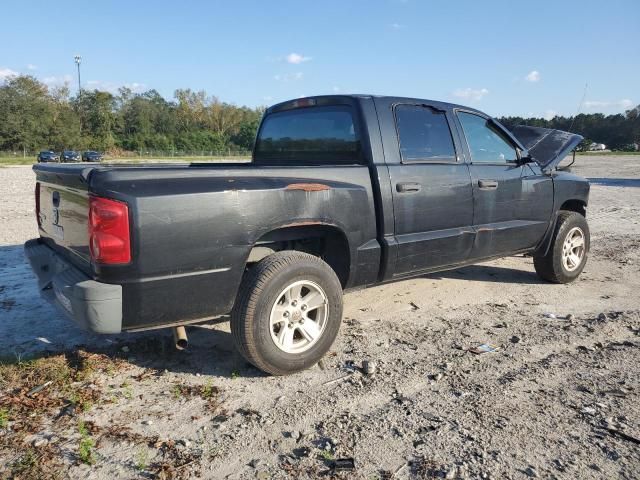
x=94, y=306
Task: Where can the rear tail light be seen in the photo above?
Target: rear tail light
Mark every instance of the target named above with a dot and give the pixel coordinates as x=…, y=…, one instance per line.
x=37, y=192
x=109, y=234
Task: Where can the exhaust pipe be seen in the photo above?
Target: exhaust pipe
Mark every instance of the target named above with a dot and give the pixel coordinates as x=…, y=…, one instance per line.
x=180, y=337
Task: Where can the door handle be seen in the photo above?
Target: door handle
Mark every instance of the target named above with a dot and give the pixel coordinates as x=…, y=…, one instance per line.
x=407, y=187
x=488, y=184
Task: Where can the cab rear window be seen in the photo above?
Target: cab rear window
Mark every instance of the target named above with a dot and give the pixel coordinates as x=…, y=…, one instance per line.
x=313, y=135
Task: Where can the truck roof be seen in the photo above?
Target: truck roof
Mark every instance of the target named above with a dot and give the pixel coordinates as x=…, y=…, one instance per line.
x=306, y=101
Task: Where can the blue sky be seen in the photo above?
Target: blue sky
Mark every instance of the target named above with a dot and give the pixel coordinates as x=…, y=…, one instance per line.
x=503, y=57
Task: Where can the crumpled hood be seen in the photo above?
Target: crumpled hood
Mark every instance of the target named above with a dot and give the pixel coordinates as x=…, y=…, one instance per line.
x=547, y=146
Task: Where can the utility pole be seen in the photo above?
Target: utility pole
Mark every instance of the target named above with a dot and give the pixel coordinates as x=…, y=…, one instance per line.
x=78, y=59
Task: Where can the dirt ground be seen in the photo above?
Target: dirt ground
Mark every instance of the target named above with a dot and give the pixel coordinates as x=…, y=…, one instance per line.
x=559, y=399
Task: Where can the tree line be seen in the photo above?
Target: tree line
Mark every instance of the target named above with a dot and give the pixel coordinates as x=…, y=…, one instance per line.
x=619, y=132
x=34, y=116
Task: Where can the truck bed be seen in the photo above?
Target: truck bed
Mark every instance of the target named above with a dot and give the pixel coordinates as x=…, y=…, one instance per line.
x=193, y=226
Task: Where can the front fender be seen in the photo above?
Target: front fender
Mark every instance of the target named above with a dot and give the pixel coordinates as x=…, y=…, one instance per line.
x=571, y=192
x=569, y=187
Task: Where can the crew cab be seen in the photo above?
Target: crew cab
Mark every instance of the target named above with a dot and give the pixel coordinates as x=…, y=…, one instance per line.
x=342, y=192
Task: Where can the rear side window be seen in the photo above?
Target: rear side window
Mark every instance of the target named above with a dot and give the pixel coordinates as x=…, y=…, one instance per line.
x=315, y=135
x=424, y=134
x=486, y=143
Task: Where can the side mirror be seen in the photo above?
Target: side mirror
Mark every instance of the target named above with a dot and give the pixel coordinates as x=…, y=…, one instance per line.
x=525, y=158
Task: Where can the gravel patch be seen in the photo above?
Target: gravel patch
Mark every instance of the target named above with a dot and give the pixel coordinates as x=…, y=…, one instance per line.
x=400, y=393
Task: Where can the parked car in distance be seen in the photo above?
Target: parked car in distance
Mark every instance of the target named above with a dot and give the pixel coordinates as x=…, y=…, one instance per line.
x=343, y=191
x=46, y=156
x=70, y=156
x=92, y=156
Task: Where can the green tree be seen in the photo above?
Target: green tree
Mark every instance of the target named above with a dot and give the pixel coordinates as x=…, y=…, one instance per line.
x=33, y=116
x=65, y=125
x=98, y=117
x=246, y=134
x=26, y=114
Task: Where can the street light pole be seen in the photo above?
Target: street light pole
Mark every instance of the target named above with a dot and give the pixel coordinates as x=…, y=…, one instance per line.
x=78, y=59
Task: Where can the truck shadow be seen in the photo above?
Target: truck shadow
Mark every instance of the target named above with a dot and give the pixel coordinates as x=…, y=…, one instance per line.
x=615, y=182
x=30, y=327
x=211, y=349
x=210, y=352
x=489, y=273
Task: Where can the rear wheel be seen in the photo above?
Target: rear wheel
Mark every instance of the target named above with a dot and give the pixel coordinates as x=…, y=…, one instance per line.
x=567, y=254
x=287, y=313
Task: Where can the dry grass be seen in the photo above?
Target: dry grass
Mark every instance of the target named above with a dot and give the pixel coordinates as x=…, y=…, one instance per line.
x=46, y=390
x=37, y=387
x=48, y=396
x=207, y=392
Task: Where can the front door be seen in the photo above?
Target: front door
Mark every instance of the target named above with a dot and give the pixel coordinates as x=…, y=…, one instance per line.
x=432, y=196
x=512, y=201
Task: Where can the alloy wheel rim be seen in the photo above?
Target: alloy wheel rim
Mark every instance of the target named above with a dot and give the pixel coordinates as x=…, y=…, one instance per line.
x=299, y=316
x=573, y=249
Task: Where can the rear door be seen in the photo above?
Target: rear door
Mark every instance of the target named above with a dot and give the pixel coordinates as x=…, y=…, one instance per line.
x=512, y=202
x=431, y=188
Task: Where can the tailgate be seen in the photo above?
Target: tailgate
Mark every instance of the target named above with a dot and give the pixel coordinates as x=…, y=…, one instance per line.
x=64, y=210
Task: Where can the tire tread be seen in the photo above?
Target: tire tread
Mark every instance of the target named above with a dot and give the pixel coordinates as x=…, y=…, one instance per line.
x=545, y=264
x=251, y=288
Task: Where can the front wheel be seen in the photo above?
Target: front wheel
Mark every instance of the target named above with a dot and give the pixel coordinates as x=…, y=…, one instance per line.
x=567, y=254
x=287, y=313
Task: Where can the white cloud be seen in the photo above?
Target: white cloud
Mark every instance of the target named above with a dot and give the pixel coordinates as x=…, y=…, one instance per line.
x=296, y=58
x=549, y=114
x=55, y=81
x=623, y=104
x=533, y=76
x=289, y=77
x=475, y=94
x=136, y=87
x=111, y=87
x=31, y=66
x=6, y=73
x=397, y=26
x=336, y=89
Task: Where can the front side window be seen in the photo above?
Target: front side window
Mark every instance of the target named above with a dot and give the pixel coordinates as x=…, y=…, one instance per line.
x=423, y=134
x=486, y=143
x=316, y=135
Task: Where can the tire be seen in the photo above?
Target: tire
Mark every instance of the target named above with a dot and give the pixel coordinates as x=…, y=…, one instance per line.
x=554, y=266
x=268, y=292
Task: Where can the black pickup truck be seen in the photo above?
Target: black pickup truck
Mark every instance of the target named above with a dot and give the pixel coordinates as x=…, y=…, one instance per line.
x=342, y=192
